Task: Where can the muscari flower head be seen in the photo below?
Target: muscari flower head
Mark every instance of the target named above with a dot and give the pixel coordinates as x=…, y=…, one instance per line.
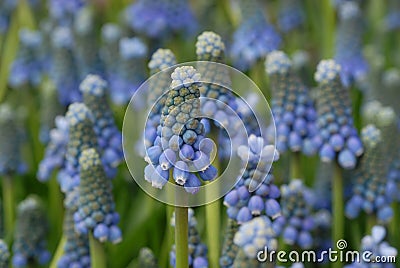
x=229, y=249
x=131, y=69
x=180, y=145
x=27, y=69
x=254, y=37
x=30, y=233
x=64, y=70
x=86, y=46
x=110, y=35
x=254, y=194
x=64, y=11
x=96, y=207
x=376, y=246
x=49, y=109
x=81, y=136
x=160, y=61
x=369, y=187
x=255, y=235
x=4, y=254
x=197, y=250
x=335, y=123
x=76, y=248
x=297, y=202
x=292, y=107
x=147, y=258
x=161, y=18
x=392, y=19
x=109, y=138
x=291, y=15
x=349, y=43
x=10, y=142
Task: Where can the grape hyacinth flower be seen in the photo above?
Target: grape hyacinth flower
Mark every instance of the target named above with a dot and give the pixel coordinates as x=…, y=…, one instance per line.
x=161, y=18
x=197, y=250
x=49, y=109
x=369, y=187
x=254, y=194
x=254, y=37
x=30, y=233
x=27, y=69
x=229, y=249
x=4, y=254
x=64, y=70
x=147, y=258
x=294, y=113
x=56, y=149
x=131, y=72
x=11, y=161
x=392, y=20
x=96, y=207
x=376, y=247
x=291, y=15
x=335, y=123
x=81, y=136
x=297, y=202
x=252, y=237
x=348, y=52
x=161, y=60
x=109, y=138
x=63, y=12
x=76, y=248
x=86, y=49
x=180, y=145
x=109, y=51
x=6, y=9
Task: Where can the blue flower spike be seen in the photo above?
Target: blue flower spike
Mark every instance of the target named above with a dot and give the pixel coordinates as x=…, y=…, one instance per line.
x=340, y=140
x=293, y=109
x=30, y=233
x=179, y=135
x=96, y=207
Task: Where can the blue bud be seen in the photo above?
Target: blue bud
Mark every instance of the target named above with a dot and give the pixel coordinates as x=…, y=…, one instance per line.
x=167, y=159
x=206, y=146
x=153, y=154
x=290, y=235
x=305, y=240
x=186, y=152
x=244, y=215
x=101, y=232
x=347, y=159
x=189, y=137
x=327, y=153
x=355, y=145
x=209, y=174
x=272, y=208
x=295, y=141
x=201, y=162
x=114, y=235
x=175, y=142
x=337, y=142
x=181, y=172
x=231, y=198
x=192, y=184
x=256, y=205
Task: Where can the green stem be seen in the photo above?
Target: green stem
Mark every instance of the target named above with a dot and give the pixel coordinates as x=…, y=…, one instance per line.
x=56, y=208
x=337, y=207
x=97, y=254
x=394, y=225
x=59, y=252
x=295, y=166
x=181, y=237
x=9, y=205
x=328, y=16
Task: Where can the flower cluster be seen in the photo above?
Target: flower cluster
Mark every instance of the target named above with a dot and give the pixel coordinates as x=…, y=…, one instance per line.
x=86, y=49
x=335, y=122
x=76, y=248
x=111, y=34
x=297, y=223
x=160, y=61
x=30, y=233
x=109, y=138
x=64, y=72
x=147, y=258
x=161, y=18
x=229, y=249
x=291, y=15
x=370, y=182
x=349, y=43
x=27, y=69
x=254, y=37
x=10, y=142
x=64, y=12
x=4, y=254
x=376, y=245
x=96, y=208
x=255, y=235
x=197, y=250
x=254, y=194
x=6, y=9
x=131, y=69
x=293, y=110
x=180, y=145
